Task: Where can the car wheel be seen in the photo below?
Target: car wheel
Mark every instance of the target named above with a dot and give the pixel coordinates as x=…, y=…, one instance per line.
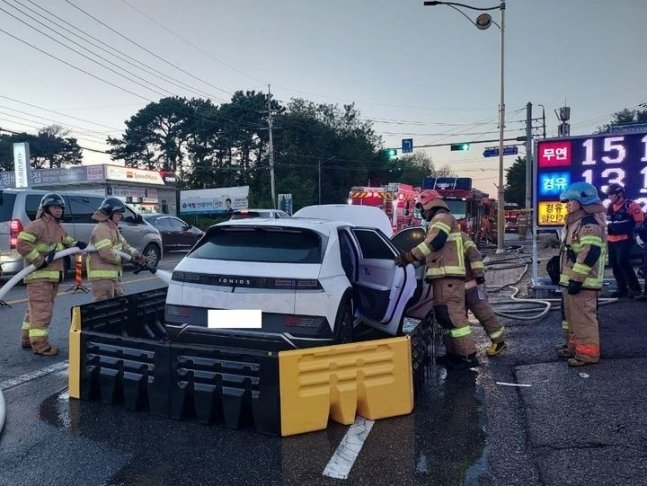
x=343, y=330
x=152, y=254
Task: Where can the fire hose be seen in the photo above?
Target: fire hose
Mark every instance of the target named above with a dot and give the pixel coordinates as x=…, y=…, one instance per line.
x=163, y=275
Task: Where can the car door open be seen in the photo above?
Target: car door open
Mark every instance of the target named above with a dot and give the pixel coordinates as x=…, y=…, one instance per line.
x=381, y=289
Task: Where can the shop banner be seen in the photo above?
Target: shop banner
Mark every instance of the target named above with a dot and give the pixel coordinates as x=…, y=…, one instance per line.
x=222, y=200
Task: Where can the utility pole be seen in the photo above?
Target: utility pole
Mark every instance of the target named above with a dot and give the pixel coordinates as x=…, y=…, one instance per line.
x=529, y=157
x=271, y=147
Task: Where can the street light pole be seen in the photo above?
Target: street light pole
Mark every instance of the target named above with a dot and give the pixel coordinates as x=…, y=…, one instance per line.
x=483, y=22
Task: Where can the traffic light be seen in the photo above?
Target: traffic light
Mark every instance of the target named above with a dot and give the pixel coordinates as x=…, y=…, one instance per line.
x=390, y=154
x=460, y=146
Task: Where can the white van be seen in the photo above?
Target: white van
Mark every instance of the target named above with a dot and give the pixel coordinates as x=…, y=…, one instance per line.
x=18, y=208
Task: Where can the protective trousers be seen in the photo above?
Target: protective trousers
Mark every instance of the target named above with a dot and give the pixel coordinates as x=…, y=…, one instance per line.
x=40, y=307
x=104, y=289
x=449, y=308
x=582, y=317
x=483, y=312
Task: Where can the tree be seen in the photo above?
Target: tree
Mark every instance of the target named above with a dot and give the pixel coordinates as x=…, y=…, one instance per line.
x=48, y=149
x=515, y=185
x=415, y=167
x=623, y=117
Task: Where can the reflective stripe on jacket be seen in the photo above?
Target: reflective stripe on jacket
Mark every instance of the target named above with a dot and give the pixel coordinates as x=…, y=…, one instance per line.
x=447, y=260
x=585, y=248
x=40, y=237
x=474, y=267
x=106, y=263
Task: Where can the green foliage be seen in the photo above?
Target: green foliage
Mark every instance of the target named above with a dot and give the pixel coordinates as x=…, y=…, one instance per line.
x=515, y=185
x=50, y=148
x=623, y=117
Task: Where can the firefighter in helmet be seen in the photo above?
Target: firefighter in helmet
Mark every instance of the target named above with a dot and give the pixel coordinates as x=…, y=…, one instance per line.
x=38, y=243
x=624, y=217
x=443, y=253
x=104, y=267
x=583, y=256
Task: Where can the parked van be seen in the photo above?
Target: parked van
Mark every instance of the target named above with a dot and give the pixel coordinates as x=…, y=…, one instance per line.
x=18, y=208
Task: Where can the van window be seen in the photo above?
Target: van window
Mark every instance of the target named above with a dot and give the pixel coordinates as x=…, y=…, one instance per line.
x=130, y=216
x=6, y=206
x=32, y=203
x=83, y=207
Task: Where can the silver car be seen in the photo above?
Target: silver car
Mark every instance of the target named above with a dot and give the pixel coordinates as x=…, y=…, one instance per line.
x=18, y=208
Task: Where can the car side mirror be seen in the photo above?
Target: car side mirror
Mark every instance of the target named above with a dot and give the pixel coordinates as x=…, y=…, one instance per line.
x=139, y=219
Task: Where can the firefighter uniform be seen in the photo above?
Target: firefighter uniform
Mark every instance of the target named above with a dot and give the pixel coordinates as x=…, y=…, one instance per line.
x=477, y=302
x=623, y=216
x=582, y=269
x=38, y=243
x=444, y=257
x=104, y=267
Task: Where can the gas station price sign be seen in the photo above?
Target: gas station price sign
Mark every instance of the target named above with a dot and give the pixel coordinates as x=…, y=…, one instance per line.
x=600, y=159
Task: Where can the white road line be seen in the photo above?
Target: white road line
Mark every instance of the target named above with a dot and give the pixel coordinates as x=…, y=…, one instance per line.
x=503, y=383
x=344, y=457
x=5, y=385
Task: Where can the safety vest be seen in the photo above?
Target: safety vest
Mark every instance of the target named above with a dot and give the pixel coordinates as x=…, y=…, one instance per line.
x=105, y=264
x=448, y=261
x=40, y=237
x=620, y=221
x=581, y=236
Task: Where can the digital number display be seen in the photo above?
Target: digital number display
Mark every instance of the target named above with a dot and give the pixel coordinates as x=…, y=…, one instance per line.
x=598, y=159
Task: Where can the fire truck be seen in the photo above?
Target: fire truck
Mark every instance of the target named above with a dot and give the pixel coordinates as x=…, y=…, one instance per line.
x=474, y=209
x=397, y=200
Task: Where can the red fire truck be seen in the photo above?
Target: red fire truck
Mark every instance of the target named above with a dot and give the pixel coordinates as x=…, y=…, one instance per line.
x=473, y=209
x=397, y=200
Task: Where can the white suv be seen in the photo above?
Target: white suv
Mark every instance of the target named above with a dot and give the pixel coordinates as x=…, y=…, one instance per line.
x=313, y=279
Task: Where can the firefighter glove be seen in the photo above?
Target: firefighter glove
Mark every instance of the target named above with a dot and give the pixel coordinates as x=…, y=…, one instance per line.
x=480, y=280
x=403, y=259
x=49, y=258
x=81, y=245
x=574, y=287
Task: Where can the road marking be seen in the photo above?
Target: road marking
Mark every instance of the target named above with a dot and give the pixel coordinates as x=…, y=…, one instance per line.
x=33, y=375
x=344, y=457
x=503, y=383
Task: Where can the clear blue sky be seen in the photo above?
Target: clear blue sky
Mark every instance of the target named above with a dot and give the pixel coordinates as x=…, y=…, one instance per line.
x=420, y=72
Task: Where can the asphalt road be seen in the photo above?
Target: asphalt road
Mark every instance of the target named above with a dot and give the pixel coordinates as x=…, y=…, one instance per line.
x=564, y=426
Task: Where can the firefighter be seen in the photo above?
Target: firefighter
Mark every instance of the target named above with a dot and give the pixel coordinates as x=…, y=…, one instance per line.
x=624, y=217
x=476, y=298
x=443, y=253
x=104, y=267
x=582, y=269
x=38, y=243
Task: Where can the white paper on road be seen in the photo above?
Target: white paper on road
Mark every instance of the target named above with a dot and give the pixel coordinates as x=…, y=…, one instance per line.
x=344, y=457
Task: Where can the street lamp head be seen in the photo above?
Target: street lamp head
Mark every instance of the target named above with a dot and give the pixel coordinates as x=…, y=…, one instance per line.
x=483, y=21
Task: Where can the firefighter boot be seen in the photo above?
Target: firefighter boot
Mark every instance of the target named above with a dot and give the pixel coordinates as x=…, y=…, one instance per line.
x=575, y=362
x=495, y=349
x=447, y=360
x=41, y=346
x=564, y=352
x=24, y=339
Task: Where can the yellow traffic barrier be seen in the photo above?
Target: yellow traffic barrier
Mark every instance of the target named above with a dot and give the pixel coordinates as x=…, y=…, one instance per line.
x=74, y=369
x=371, y=378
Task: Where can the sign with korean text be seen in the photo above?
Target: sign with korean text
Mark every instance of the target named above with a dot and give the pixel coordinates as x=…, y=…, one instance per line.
x=600, y=159
x=128, y=174
x=22, y=164
x=212, y=201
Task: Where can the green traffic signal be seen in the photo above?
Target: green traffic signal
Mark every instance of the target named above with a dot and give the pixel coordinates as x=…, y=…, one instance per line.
x=460, y=146
x=390, y=154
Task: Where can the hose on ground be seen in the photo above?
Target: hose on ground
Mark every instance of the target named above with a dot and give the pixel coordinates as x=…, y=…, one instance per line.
x=2, y=411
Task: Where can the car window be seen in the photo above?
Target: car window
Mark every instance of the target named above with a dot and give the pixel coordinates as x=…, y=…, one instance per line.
x=129, y=216
x=271, y=245
x=32, y=203
x=373, y=245
x=161, y=223
x=81, y=208
x=175, y=223
x=408, y=238
x=6, y=206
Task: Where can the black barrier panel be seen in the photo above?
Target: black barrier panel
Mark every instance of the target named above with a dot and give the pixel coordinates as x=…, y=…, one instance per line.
x=223, y=378
x=125, y=356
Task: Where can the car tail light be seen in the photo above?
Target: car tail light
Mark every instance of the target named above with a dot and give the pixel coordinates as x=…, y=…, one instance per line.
x=303, y=321
x=178, y=310
x=15, y=227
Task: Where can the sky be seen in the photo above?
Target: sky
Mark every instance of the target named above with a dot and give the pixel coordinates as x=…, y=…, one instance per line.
x=416, y=71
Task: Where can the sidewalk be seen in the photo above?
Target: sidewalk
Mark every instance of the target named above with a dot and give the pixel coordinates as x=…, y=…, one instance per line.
x=575, y=426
